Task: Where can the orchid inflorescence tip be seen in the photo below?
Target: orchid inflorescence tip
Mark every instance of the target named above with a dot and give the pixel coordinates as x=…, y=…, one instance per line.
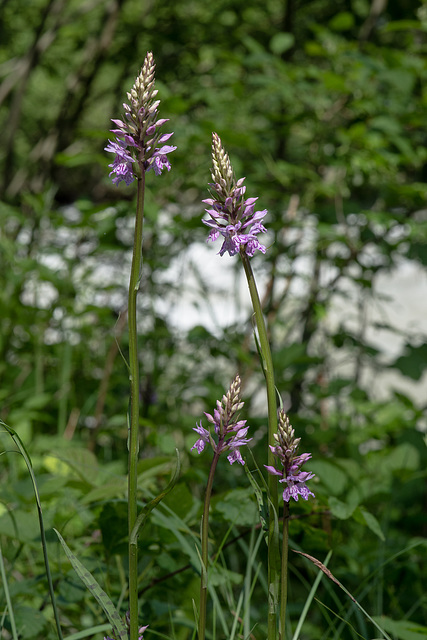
x=229, y=430
x=232, y=216
x=285, y=449
x=139, y=145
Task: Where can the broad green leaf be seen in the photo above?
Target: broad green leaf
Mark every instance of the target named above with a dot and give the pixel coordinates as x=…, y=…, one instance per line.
x=30, y=622
x=364, y=517
x=181, y=500
x=342, y=21
x=38, y=401
x=281, y=42
x=414, y=360
x=340, y=509
x=329, y=475
x=112, y=489
x=56, y=466
x=21, y=526
x=403, y=457
x=402, y=629
x=82, y=461
x=401, y=25
x=88, y=633
x=238, y=507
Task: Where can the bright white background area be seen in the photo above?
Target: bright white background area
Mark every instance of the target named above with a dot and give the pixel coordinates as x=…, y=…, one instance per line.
x=400, y=300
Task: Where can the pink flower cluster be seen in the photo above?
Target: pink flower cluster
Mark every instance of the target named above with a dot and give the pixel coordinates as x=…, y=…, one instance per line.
x=230, y=431
x=139, y=146
x=285, y=449
x=231, y=215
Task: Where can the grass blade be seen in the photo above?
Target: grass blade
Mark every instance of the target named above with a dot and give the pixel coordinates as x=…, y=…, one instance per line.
x=98, y=593
x=326, y=571
x=8, y=598
x=22, y=450
x=310, y=599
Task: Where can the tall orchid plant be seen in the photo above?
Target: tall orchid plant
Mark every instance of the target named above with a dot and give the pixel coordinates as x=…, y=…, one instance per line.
x=139, y=146
x=233, y=217
x=230, y=435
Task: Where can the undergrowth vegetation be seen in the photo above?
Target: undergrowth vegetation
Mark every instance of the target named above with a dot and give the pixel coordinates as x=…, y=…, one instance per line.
x=322, y=106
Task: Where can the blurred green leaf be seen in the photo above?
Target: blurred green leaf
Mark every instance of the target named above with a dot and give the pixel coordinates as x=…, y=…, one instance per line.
x=281, y=42
x=402, y=629
x=331, y=477
x=30, y=623
x=341, y=510
x=404, y=457
x=413, y=362
x=364, y=517
x=342, y=21
x=238, y=507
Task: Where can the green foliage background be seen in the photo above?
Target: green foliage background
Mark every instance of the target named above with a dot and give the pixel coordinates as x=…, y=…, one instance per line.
x=322, y=105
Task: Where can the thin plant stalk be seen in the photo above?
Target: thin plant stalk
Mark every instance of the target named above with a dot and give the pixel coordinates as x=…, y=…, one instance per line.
x=273, y=571
x=138, y=147
x=230, y=433
x=233, y=217
x=204, y=541
x=133, y=440
x=284, y=572
x=294, y=481
x=8, y=598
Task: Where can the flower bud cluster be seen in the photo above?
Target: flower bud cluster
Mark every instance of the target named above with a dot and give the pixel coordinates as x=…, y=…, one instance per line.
x=285, y=449
x=231, y=215
x=229, y=430
x=139, y=144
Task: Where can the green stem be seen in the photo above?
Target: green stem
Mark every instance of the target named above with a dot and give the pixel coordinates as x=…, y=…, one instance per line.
x=284, y=575
x=205, y=538
x=133, y=439
x=273, y=551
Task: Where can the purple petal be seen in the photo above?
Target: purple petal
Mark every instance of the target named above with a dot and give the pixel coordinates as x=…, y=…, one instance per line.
x=241, y=431
x=165, y=149
x=119, y=123
x=141, y=631
x=235, y=456
x=199, y=445
x=165, y=137
x=273, y=471
x=213, y=235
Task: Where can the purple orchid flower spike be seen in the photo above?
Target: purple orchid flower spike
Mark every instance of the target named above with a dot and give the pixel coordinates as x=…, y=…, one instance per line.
x=285, y=449
x=230, y=432
x=231, y=215
x=139, y=145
